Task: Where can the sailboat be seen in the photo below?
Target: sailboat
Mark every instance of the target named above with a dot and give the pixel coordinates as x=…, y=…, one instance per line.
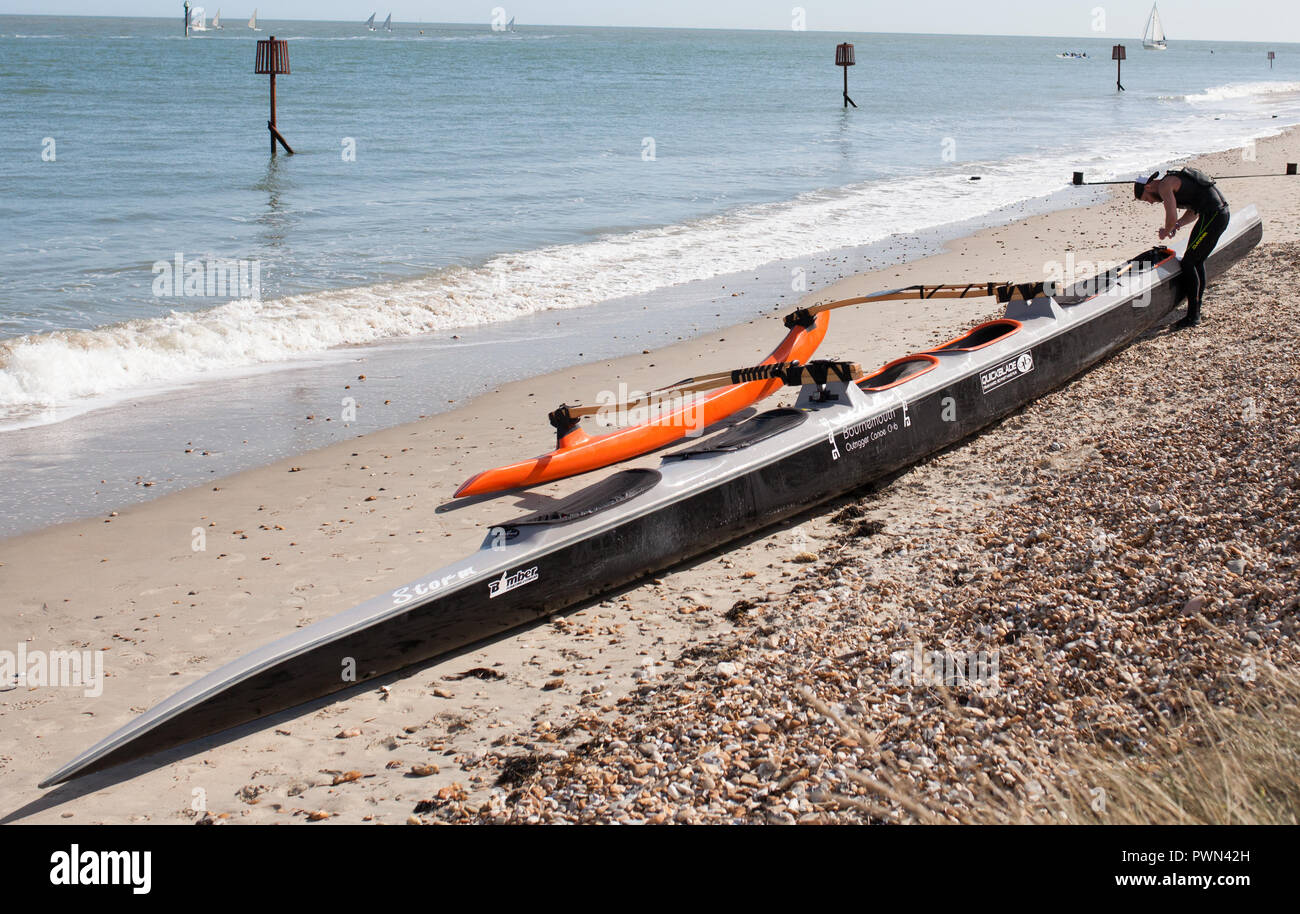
x=198, y=20
x=370, y=23
x=1153, y=39
x=511, y=24
x=388, y=23
x=216, y=21
x=252, y=22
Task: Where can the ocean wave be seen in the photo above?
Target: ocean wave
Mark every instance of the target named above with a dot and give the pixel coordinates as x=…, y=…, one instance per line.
x=50, y=372
x=1230, y=91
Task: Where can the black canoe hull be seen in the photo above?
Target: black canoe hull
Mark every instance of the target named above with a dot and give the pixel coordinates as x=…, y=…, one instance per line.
x=682, y=528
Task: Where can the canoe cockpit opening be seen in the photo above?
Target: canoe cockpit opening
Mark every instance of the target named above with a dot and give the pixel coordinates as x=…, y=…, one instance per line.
x=602, y=496
x=985, y=334
x=898, y=371
x=1107, y=280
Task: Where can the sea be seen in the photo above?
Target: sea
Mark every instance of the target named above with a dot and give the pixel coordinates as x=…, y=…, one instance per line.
x=472, y=204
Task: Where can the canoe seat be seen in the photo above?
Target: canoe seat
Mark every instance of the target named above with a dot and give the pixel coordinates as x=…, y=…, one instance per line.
x=898, y=371
x=1086, y=290
x=751, y=431
x=602, y=496
x=978, y=337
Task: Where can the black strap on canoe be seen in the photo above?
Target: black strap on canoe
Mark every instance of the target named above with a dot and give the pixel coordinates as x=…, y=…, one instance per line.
x=762, y=372
x=1026, y=290
x=820, y=372
x=800, y=318
x=563, y=421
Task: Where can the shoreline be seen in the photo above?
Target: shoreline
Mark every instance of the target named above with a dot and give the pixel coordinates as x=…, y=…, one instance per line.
x=141, y=443
x=206, y=430
x=275, y=544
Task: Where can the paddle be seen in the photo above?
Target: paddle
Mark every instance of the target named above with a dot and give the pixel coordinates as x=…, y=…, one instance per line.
x=791, y=374
x=1005, y=291
x=1290, y=171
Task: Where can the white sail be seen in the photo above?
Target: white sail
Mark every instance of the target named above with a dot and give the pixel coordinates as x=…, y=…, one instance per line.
x=370, y=23
x=1153, y=38
x=511, y=24
x=388, y=23
x=197, y=19
x=216, y=20
x=252, y=22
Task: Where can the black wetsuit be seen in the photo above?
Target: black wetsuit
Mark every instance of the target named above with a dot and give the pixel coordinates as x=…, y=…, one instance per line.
x=1199, y=194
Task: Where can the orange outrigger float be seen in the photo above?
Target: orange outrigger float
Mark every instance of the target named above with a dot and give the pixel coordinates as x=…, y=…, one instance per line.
x=577, y=452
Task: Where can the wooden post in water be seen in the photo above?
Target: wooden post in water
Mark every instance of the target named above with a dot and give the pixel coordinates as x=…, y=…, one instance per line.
x=844, y=58
x=1271, y=55
x=1118, y=54
x=187, y=18
x=273, y=58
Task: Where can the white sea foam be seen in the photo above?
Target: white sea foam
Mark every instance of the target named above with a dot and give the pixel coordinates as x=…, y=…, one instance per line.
x=51, y=371
x=1231, y=91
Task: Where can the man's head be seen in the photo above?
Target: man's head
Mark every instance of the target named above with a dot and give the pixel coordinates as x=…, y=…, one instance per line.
x=1147, y=191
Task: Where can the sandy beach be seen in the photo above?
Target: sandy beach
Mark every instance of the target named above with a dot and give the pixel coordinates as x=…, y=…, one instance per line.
x=698, y=676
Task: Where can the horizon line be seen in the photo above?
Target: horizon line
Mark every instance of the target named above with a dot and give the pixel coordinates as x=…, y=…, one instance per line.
x=680, y=28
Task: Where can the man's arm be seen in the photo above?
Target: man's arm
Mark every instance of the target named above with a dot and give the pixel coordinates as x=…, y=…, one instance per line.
x=1171, y=209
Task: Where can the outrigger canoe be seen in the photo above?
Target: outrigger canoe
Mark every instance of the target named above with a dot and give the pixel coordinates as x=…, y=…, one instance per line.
x=578, y=452
x=841, y=434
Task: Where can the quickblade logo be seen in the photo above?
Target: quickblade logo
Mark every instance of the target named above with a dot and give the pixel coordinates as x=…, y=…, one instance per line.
x=78, y=867
x=1007, y=371
x=510, y=582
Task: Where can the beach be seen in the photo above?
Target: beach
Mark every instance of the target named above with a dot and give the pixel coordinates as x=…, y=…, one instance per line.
x=585, y=715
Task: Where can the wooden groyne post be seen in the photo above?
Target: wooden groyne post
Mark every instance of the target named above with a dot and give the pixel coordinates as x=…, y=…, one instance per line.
x=844, y=58
x=1271, y=55
x=1119, y=55
x=273, y=58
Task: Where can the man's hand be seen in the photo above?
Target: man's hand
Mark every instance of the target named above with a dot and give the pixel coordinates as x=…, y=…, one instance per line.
x=1168, y=232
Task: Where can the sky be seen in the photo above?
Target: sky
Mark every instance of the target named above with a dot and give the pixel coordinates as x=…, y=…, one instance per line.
x=1219, y=20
